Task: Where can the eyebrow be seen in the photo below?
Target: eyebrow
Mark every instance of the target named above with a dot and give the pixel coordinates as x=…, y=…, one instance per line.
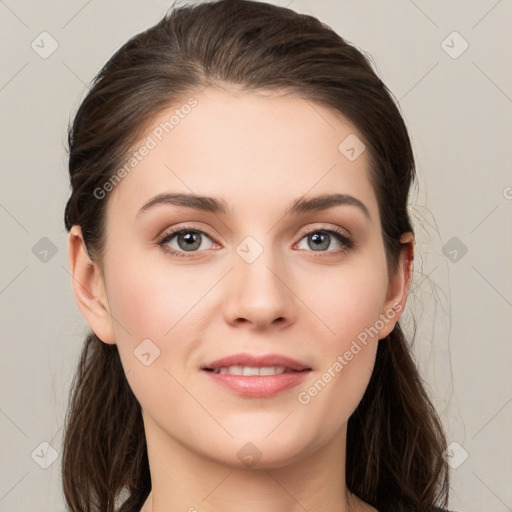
x=219, y=206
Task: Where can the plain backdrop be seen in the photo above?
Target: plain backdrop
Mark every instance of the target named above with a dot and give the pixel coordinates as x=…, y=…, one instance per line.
x=448, y=65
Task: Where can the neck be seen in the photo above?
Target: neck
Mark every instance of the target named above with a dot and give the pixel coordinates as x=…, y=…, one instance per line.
x=183, y=480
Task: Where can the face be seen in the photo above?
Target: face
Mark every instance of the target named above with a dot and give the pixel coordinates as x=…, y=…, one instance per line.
x=187, y=285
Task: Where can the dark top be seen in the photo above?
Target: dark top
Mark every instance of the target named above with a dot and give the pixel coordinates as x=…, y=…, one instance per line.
x=390, y=507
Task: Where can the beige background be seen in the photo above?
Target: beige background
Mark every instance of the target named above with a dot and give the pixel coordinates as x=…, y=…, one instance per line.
x=458, y=106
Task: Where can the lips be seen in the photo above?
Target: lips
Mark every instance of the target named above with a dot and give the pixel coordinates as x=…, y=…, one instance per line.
x=257, y=361
x=254, y=376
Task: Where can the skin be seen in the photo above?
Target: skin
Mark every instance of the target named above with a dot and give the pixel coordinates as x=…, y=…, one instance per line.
x=260, y=152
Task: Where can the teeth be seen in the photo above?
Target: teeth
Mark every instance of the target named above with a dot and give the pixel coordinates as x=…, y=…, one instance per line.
x=271, y=370
x=249, y=371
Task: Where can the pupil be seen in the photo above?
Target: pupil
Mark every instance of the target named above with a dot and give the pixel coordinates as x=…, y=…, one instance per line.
x=190, y=241
x=317, y=240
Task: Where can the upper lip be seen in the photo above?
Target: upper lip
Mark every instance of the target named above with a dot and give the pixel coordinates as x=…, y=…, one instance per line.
x=257, y=361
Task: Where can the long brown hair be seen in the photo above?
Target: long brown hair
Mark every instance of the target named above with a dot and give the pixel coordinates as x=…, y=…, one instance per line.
x=395, y=440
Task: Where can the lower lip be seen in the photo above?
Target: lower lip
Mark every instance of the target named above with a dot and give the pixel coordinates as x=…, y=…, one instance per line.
x=259, y=386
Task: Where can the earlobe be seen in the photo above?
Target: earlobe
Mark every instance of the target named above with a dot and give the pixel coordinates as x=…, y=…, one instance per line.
x=399, y=285
x=89, y=288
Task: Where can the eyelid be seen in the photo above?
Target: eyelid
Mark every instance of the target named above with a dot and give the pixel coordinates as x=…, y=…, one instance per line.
x=324, y=227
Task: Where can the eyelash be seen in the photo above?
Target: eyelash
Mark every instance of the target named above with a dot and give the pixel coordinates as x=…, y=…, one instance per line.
x=347, y=242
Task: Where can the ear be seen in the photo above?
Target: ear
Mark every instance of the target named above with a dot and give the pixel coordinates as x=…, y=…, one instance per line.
x=398, y=287
x=89, y=288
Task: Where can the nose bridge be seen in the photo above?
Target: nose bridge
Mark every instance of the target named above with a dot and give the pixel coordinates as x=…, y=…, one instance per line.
x=258, y=289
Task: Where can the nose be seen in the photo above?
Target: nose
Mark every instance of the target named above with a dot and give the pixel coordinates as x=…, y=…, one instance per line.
x=260, y=293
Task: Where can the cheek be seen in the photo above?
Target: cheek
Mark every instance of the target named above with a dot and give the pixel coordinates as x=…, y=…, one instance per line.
x=151, y=317
x=349, y=300
x=147, y=303
x=350, y=309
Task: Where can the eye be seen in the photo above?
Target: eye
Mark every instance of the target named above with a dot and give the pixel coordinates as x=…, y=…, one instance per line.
x=321, y=239
x=188, y=240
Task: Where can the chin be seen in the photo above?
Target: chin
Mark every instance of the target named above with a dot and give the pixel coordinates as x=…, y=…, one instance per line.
x=260, y=452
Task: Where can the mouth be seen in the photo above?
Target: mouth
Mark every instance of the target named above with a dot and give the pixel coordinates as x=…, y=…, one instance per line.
x=253, y=371
x=257, y=376
x=251, y=365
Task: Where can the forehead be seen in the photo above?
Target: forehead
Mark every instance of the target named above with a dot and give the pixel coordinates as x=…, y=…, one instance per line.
x=264, y=146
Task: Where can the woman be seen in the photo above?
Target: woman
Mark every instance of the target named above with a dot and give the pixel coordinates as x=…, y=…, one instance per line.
x=241, y=248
